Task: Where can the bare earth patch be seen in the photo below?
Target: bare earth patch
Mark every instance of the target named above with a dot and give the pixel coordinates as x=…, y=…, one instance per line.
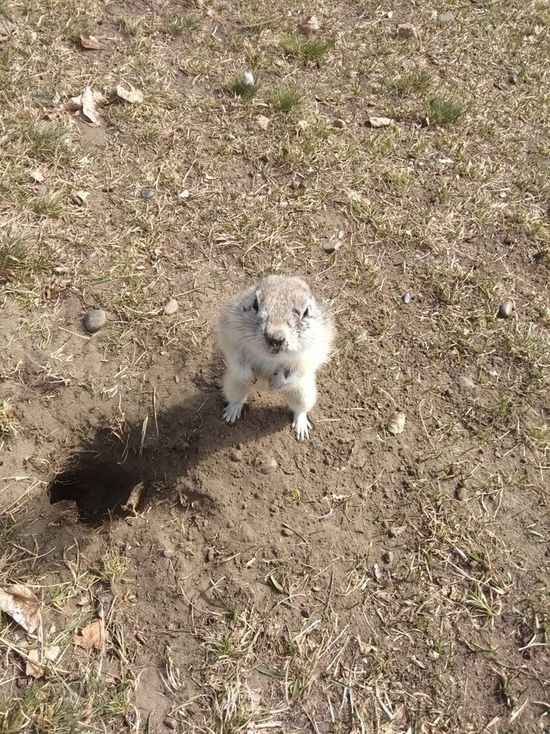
x=194, y=577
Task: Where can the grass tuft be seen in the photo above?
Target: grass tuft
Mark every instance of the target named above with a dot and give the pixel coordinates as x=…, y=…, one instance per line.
x=286, y=98
x=241, y=88
x=445, y=110
x=46, y=141
x=177, y=24
x=308, y=49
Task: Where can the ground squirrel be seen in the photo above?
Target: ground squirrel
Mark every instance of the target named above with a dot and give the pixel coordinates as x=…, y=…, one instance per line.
x=275, y=336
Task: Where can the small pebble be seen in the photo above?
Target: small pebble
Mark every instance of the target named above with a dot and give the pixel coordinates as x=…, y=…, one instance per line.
x=94, y=320
x=466, y=382
x=171, y=307
x=147, y=193
x=512, y=78
x=406, y=297
x=339, y=123
x=396, y=423
x=446, y=17
x=168, y=553
x=210, y=555
x=506, y=308
x=170, y=723
x=286, y=532
x=460, y=493
x=397, y=530
x=387, y=557
x=265, y=464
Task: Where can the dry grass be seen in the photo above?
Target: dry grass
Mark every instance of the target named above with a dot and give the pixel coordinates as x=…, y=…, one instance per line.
x=450, y=202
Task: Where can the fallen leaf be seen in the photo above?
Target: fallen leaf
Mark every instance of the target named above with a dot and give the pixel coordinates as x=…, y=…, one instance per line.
x=276, y=585
x=92, y=635
x=379, y=122
x=90, y=43
x=89, y=108
x=335, y=242
x=131, y=95
x=309, y=26
x=33, y=668
x=37, y=176
x=263, y=122
x=135, y=495
x=7, y=27
x=396, y=423
x=35, y=665
x=87, y=103
x=79, y=197
x=22, y=605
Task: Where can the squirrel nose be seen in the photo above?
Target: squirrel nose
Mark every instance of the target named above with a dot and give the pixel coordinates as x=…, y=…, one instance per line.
x=275, y=340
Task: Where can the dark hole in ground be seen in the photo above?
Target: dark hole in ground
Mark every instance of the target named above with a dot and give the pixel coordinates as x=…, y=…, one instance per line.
x=99, y=485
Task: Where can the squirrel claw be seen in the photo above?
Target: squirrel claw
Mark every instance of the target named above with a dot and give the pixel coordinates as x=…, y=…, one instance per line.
x=301, y=425
x=232, y=412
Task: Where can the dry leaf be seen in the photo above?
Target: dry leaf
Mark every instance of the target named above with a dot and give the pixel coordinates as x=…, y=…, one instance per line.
x=335, y=242
x=33, y=668
x=396, y=423
x=87, y=102
x=89, y=109
x=79, y=197
x=379, y=121
x=37, y=176
x=7, y=26
x=90, y=42
x=22, y=605
x=263, y=122
x=132, y=95
x=35, y=665
x=309, y=26
x=135, y=495
x=92, y=635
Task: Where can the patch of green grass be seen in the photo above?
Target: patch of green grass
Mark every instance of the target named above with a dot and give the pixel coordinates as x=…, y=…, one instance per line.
x=13, y=256
x=46, y=141
x=445, y=110
x=240, y=87
x=177, y=24
x=286, y=98
x=417, y=81
x=47, y=206
x=308, y=49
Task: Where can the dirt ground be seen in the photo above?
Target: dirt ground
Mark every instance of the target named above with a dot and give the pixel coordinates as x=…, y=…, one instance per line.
x=355, y=582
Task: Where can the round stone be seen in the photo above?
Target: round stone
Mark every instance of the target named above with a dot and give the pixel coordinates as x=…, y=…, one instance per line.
x=506, y=308
x=147, y=193
x=461, y=493
x=94, y=320
x=171, y=307
x=265, y=464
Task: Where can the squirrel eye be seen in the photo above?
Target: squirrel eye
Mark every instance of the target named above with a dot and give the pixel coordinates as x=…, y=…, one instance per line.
x=256, y=305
